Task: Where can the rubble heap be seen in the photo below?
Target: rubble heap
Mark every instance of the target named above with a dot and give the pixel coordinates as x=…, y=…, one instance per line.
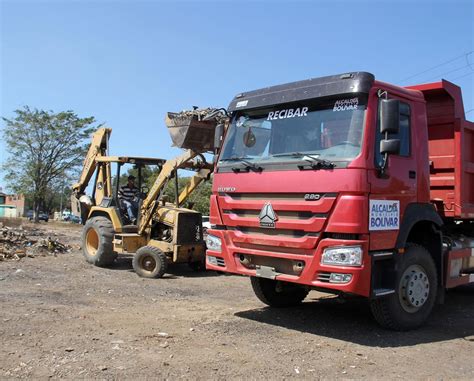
x=219, y=115
x=17, y=243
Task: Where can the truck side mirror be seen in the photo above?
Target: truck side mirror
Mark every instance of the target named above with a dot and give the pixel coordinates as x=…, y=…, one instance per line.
x=219, y=133
x=389, y=116
x=390, y=146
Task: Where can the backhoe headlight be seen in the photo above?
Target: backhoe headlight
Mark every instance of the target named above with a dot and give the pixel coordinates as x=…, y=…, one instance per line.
x=213, y=243
x=342, y=256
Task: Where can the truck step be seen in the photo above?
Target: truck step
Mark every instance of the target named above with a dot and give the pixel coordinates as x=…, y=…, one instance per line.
x=378, y=292
x=379, y=255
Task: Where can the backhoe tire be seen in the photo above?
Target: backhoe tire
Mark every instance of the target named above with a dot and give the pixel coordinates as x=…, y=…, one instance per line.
x=150, y=262
x=415, y=292
x=277, y=293
x=97, y=241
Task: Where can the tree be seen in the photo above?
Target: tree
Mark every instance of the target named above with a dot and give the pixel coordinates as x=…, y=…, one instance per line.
x=199, y=199
x=44, y=148
x=58, y=195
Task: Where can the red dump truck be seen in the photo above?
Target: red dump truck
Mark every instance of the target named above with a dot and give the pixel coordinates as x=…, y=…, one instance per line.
x=348, y=185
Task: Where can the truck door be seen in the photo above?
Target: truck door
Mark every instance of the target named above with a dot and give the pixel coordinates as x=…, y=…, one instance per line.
x=391, y=193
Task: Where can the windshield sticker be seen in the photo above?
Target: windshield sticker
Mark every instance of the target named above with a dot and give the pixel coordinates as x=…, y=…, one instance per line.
x=384, y=215
x=346, y=104
x=241, y=121
x=242, y=103
x=288, y=113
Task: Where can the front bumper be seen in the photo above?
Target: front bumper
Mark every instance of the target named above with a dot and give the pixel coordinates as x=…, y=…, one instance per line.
x=189, y=253
x=290, y=265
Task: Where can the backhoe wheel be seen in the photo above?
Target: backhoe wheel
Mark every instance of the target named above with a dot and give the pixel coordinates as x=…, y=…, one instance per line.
x=150, y=262
x=277, y=293
x=97, y=237
x=415, y=292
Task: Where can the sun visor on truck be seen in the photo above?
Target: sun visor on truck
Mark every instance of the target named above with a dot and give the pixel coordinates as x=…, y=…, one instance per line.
x=189, y=131
x=358, y=82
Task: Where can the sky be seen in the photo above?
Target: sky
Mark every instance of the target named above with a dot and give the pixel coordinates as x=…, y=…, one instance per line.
x=129, y=62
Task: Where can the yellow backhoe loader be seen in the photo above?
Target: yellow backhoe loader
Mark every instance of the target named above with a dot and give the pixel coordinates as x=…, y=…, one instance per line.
x=164, y=231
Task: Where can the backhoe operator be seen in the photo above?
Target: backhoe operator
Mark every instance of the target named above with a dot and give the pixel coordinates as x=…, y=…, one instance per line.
x=128, y=197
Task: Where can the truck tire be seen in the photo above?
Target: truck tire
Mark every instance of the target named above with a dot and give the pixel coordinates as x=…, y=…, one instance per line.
x=97, y=245
x=150, y=262
x=277, y=293
x=415, y=292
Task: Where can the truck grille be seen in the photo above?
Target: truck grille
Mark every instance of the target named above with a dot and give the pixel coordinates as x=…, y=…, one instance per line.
x=323, y=276
x=295, y=215
x=297, y=228
x=291, y=215
x=272, y=232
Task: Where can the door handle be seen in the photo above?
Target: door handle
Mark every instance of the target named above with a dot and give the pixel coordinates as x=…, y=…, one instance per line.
x=412, y=174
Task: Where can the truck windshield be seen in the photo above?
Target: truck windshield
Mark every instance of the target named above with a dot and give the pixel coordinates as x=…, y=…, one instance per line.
x=330, y=130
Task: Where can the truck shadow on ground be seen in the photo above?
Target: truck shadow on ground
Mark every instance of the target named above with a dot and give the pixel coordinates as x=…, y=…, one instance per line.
x=176, y=270
x=352, y=321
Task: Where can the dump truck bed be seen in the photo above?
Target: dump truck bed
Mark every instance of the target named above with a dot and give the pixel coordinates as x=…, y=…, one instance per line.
x=451, y=150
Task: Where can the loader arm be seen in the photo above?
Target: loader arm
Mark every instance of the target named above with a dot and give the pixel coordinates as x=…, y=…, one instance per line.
x=98, y=148
x=193, y=183
x=151, y=202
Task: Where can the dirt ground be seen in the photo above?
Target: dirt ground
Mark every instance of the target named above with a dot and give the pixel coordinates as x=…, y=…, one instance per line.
x=63, y=318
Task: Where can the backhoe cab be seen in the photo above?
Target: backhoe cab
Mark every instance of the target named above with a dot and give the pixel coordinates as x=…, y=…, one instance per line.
x=165, y=232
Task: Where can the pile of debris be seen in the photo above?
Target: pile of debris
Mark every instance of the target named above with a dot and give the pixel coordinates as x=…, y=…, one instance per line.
x=17, y=243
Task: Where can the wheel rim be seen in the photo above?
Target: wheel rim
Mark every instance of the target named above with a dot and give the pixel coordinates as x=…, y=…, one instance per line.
x=148, y=263
x=92, y=242
x=414, y=289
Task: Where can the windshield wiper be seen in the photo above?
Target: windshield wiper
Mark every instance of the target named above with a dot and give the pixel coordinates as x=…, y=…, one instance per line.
x=314, y=161
x=248, y=165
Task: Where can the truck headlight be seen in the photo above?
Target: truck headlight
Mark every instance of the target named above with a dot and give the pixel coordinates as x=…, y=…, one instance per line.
x=342, y=256
x=213, y=243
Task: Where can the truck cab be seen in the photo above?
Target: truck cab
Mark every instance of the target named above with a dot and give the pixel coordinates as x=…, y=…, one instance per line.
x=325, y=184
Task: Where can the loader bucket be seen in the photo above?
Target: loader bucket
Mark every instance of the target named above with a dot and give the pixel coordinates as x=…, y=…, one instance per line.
x=80, y=207
x=188, y=132
x=75, y=206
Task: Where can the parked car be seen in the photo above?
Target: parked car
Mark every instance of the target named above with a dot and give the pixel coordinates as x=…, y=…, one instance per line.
x=42, y=216
x=75, y=219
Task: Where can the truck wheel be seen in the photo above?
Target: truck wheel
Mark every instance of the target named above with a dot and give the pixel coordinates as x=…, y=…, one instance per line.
x=97, y=237
x=415, y=292
x=150, y=262
x=277, y=293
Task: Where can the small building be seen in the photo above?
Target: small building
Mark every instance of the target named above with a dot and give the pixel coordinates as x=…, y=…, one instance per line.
x=12, y=205
x=8, y=211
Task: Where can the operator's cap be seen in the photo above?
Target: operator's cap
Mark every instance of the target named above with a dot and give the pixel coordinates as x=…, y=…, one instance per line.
x=131, y=177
